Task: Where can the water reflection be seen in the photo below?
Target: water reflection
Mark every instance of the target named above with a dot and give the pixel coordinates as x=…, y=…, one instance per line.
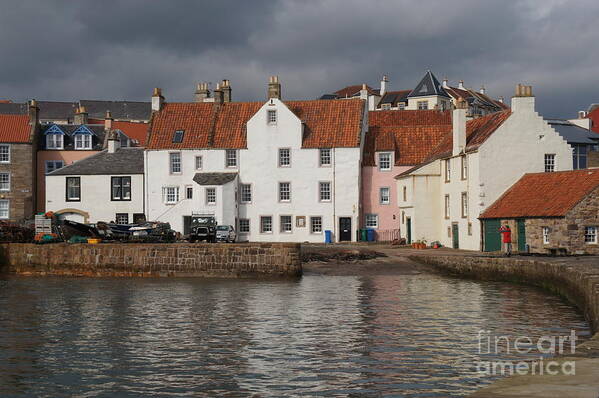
x=331, y=336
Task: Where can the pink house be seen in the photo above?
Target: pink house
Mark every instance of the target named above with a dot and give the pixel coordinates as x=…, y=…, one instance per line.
x=395, y=142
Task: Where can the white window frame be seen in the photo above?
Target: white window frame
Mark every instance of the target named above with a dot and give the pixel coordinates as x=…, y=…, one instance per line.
x=188, y=189
x=384, y=200
x=422, y=105
x=174, y=195
x=243, y=192
x=211, y=196
x=447, y=163
x=4, y=155
x=174, y=161
x=549, y=162
x=82, y=141
x=590, y=235
x=117, y=215
x=231, y=158
x=284, y=223
x=545, y=232
x=371, y=221
x=54, y=141
x=325, y=157
x=68, y=197
x=447, y=207
x=271, y=117
x=386, y=107
x=464, y=167
x=2, y=209
x=262, y=225
x=321, y=185
x=7, y=189
x=285, y=194
x=199, y=162
x=286, y=157
x=54, y=163
x=241, y=228
x=316, y=224
x=464, y=199
x=388, y=162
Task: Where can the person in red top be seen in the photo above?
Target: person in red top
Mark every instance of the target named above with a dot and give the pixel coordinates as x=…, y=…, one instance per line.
x=506, y=239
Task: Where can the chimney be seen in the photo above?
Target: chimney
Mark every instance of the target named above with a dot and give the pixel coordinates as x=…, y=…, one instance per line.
x=202, y=92
x=34, y=113
x=482, y=90
x=274, y=87
x=80, y=116
x=384, y=85
x=445, y=83
x=226, y=87
x=461, y=85
x=108, y=121
x=501, y=99
x=582, y=114
x=459, y=126
x=523, y=100
x=218, y=94
x=113, y=141
x=364, y=92
x=157, y=100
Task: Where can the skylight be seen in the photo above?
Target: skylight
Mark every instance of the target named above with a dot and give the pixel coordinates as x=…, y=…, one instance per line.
x=178, y=136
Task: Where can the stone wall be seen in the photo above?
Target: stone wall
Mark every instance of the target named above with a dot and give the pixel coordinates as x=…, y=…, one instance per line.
x=593, y=159
x=22, y=182
x=114, y=259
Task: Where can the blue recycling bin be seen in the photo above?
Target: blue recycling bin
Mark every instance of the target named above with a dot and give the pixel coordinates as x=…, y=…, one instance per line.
x=371, y=235
x=328, y=236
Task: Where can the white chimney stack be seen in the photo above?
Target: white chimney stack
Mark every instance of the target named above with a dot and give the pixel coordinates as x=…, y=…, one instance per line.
x=113, y=141
x=364, y=92
x=523, y=100
x=157, y=100
x=384, y=85
x=482, y=89
x=461, y=85
x=459, y=127
x=445, y=83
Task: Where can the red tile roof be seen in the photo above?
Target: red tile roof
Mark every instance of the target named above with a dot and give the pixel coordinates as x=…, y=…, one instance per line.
x=326, y=124
x=3, y=101
x=15, y=129
x=351, y=91
x=134, y=130
x=410, y=134
x=544, y=194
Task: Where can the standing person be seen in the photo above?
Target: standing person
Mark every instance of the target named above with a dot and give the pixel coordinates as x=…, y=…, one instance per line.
x=506, y=239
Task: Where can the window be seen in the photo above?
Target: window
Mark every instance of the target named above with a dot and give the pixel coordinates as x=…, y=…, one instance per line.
x=210, y=196
x=372, y=221
x=286, y=224
x=284, y=191
x=386, y=107
x=178, y=136
x=244, y=225
x=4, y=153
x=580, y=156
x=464, y=204
x=266, y=224
x=385, y=161
x=402, y=106
x=54, y=141
x=82, y=141
x=316, y=225
x=405, y=194
x=52, y=165
x=174, y=162
x=384, y=196
x=4, y=209
x=188, y=192
x=545, y=235
x=325, y=191
x=470, y=229
x=324, y=157
x=124, y=140
x=171, y=195
x=284, y=157
x=549, y=163
x=199, y=163
x=272, y=116
x=246, y=193
x=422, y=105
x=464, y=168
x=447, y=206
x=121, y=188
x=73, y=189
x=447, y=170
x=231, y=156
x=122, y=218
x=4, y=182
x=590, y=235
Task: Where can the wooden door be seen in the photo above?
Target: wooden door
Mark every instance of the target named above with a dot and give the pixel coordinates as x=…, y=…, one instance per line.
x=344, y=229
x=492, y=236
x=455, y=233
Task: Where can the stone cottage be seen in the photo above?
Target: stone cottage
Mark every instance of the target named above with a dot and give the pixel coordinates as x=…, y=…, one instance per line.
x=548, y=213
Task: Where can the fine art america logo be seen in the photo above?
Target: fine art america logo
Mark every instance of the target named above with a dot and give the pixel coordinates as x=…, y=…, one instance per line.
x=545, y=346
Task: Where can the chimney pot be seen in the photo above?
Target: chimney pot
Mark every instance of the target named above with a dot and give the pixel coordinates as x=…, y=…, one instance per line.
x=274, y=87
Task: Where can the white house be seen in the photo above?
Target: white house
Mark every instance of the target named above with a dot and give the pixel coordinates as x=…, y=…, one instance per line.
x=107, y=186
x=441, y=199
x=277, y=171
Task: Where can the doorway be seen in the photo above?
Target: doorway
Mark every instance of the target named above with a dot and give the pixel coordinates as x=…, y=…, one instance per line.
x=492, y=241
x=409, y=230
x=344, y=229
x=455, y=233
x=521, y=235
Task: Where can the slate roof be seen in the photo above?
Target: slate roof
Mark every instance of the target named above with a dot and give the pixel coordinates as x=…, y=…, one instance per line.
x=572, y=133
x=394, y=97
x=127, y=110
x=56, y=110
x=545, y=194
x=214, y=178
x=69, y=130
x=327, y=124
x=13, y=108
x=15, y=129
x=123, y=161
x=429, y=85
x=410, y=134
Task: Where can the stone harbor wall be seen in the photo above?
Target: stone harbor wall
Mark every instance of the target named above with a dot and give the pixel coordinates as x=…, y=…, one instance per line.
x=118, y=259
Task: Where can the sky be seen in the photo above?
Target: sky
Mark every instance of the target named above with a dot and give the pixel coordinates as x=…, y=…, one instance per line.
x=109, y=49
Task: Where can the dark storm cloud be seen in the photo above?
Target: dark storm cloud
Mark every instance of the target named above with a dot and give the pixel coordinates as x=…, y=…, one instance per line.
x=121, y=49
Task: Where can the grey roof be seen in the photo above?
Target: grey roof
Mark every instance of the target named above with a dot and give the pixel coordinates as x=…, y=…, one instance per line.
x=56, y=109
x=429, y=85
x=394, y=97
x=214, y=178
x=123, y=161
x=128, y=110
x=328, y=96
x=572, y=133
x=13, y=108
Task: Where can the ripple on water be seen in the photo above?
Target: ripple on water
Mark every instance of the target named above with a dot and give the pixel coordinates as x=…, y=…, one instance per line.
x=406, y=335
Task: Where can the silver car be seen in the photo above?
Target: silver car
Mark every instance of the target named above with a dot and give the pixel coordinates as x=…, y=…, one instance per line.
x=225, y=233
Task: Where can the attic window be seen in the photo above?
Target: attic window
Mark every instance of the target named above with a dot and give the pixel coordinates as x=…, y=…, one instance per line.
x=272, y=116
x=178, y=136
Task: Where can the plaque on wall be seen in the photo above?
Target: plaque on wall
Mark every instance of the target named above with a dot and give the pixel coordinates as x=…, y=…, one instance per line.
x=300, y=221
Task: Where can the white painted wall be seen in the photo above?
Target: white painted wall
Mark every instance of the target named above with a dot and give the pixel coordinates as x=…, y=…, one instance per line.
x=95, y=197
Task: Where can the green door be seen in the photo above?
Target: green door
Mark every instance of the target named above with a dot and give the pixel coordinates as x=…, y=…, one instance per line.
x=455, y=233
x=409, y=230
x=492, y=235
x=521, y=235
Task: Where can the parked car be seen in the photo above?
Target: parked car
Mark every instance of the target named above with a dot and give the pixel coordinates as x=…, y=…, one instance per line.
x=225, y=233
x=203, y=227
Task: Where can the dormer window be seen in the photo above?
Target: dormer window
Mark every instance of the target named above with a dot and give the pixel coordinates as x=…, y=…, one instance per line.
x=386, y=107
x=178, y=136
x=83, y=141
x=422, y=105
x=272, y=116
x=54, y=141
